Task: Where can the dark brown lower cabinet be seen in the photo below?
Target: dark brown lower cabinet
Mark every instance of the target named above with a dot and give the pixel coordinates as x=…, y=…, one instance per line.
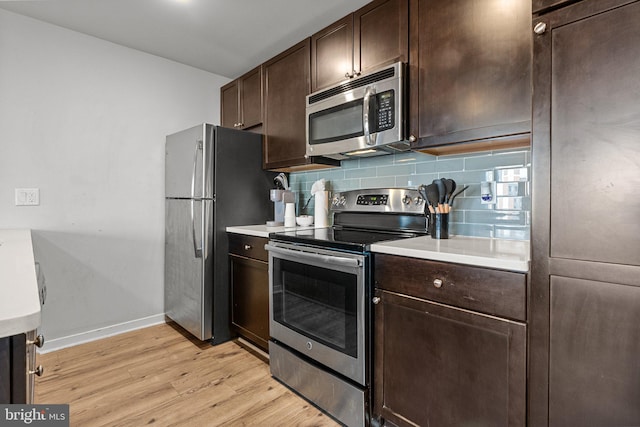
x=443, y=366
x=13, y=368
x=440, y=365
x=594, y=353
x=249, y=277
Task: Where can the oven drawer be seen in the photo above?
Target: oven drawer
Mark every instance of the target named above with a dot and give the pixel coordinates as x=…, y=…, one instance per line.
x=496, y=292
x=248, y=246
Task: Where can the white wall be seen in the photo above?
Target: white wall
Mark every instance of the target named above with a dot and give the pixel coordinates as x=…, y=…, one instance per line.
x=84, y=121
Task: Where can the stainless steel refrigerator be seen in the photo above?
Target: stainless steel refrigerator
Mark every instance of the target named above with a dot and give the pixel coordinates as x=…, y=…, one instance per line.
x=213, y=179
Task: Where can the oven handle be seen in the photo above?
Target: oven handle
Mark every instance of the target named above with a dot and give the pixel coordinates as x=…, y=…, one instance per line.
x=328, y=259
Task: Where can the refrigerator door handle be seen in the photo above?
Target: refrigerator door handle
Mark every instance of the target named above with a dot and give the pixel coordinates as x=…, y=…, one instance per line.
x=197, y=250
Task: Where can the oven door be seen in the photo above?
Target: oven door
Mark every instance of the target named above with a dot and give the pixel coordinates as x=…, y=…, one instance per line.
x=317, y=305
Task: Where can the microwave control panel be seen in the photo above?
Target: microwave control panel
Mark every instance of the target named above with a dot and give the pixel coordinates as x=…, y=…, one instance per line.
x=385, y=102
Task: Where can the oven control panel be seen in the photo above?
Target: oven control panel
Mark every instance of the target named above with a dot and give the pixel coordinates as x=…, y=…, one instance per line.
x=393, y=200
x=372, y=199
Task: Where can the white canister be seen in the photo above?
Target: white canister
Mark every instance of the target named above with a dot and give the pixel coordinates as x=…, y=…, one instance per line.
x=321, y=209
x=290, y=215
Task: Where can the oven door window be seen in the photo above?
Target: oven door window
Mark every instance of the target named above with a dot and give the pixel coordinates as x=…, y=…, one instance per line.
x=337, y=123
x=317, y=302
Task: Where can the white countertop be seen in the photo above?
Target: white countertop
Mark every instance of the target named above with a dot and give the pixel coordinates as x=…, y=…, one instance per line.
x=19, y=299
x=261, y=230
x=502, y=254
x=513, y=255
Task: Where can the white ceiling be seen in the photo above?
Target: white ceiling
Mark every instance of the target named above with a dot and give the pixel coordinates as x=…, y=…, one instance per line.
x=225, y=37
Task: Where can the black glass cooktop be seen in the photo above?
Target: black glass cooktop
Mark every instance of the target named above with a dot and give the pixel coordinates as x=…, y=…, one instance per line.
x=340, y=238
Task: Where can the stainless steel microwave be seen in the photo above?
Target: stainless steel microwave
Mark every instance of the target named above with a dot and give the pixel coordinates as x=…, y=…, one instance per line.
x=364, y=116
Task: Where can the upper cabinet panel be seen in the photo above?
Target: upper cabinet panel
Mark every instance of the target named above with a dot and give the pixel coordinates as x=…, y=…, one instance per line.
x=332, y=54
x=241, y=101
x=470, y=70
x=374, y=35
x=381, y=34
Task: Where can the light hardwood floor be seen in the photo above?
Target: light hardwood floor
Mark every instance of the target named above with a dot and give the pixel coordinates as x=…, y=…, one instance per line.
x=159, y=376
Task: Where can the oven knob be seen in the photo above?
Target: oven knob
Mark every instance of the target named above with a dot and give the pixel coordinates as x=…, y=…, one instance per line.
x=343, y=201
x=309, y=345
x=418, y=200
x=406, y=200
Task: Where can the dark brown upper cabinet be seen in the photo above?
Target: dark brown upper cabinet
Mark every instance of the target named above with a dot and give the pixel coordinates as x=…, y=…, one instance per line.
x=375, y=35
x=241, y=101
x=287, y=82
x=470, y=73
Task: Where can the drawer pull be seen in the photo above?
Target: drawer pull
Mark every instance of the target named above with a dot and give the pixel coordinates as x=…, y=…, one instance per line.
x=376, y=300
x=437, y=283
x=247, y=247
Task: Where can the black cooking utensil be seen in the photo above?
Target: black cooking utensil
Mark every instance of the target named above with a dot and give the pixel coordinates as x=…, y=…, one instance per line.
x=456, y=195
x=433, y=196
x=422, y=189
x=442, y=192
x=450, y=186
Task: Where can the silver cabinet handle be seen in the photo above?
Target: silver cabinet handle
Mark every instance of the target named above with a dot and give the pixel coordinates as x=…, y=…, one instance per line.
x=437, y=283
x=247, y=247
x=38, y=342
x=38, y=371
x=347, y=75
x=376, y=300
x=412, y=138
x=540, y=28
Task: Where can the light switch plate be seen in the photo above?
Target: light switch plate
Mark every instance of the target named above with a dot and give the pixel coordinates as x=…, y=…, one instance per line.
x=27, y=196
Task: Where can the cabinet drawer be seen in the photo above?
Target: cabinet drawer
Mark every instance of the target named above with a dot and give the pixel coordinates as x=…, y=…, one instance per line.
x=248, y=246
x=496, y=292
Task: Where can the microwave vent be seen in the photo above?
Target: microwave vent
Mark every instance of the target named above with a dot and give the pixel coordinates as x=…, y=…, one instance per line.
x=345, y=87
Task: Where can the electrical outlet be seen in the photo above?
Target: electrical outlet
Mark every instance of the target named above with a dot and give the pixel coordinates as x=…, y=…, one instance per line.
x=27, y=196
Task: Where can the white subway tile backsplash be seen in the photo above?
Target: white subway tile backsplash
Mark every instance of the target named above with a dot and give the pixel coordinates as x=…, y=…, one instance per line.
x=509, y=218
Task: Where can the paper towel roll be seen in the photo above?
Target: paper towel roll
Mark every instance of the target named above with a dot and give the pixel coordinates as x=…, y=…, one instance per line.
x=321, y=209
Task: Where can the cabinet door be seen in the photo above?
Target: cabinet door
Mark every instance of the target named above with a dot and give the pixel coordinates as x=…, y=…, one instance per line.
x=250, y=299
x=332, y=54
x=286, y=83
x=251, y=98
x=229, y=105
x=441, y=366
x=470, y=70
x=594, y=375
x=381, y=34
x=595, y=140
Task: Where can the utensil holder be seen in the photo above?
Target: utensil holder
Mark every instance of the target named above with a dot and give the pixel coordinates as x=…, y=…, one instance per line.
x=439, y=225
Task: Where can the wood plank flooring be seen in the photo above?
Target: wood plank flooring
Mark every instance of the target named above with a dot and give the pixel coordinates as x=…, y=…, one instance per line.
x=160, y=376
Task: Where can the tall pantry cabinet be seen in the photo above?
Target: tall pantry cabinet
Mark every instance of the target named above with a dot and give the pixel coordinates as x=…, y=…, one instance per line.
x=584, y=323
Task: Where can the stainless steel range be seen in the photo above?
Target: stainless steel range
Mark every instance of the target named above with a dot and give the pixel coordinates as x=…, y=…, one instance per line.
x=321, y=296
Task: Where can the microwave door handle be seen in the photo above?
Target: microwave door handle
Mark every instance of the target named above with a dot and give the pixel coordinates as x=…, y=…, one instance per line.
x=326, y=259
x=368, y=137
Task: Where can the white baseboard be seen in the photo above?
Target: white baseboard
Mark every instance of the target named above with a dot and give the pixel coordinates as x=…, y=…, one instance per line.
x=96, y=334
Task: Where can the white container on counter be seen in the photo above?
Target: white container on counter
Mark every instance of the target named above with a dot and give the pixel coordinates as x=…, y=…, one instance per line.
x=321, y=209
